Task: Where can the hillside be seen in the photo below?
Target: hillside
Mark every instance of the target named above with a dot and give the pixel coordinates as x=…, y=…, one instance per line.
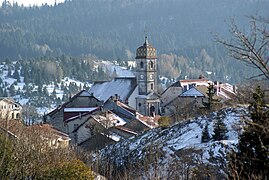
x=168, y=152
x=114, y=29
x=43, y=84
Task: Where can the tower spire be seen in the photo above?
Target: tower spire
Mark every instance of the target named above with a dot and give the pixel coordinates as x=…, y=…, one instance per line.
x=146, y=36
x=146, y=40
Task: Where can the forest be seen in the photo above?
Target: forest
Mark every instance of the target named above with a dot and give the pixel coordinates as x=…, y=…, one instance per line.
x=114, y=29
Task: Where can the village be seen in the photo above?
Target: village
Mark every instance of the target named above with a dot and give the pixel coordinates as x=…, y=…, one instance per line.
x=112, y=111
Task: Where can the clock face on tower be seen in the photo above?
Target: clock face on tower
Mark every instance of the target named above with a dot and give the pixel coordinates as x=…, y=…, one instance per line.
x=141, y=76
x=151, y=76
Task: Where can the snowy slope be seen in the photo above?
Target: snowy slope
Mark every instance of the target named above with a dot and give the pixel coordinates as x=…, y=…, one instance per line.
x=111, y=68
x=19, y=87
x=182, y=136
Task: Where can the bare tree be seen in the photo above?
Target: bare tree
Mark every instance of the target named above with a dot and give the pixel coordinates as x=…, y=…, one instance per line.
x=251, y=47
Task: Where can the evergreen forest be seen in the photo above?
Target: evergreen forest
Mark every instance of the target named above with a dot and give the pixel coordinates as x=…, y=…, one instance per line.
x=182, y=31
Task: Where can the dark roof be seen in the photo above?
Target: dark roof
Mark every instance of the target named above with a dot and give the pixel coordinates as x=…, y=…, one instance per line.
x=193, y=92
x=82, y=93
x=124, y=129
x=176, y=84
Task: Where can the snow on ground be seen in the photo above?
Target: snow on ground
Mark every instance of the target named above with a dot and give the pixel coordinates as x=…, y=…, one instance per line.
x=183, y=135
x=8, y=81
x=111, y=67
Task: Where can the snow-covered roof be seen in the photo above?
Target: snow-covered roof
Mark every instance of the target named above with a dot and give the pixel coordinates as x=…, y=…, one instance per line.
x=109, y=119
x=87, y=109
x=151, y=95
x=193, y=92
x=123, y=87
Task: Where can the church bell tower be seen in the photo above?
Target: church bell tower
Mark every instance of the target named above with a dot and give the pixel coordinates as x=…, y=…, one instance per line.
x=148, y=100
x=146, y=68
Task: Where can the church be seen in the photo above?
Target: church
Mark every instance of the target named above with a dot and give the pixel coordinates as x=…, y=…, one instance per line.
x=139, y=92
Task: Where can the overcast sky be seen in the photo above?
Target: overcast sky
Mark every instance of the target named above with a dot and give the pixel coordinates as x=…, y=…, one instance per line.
x=34, y=2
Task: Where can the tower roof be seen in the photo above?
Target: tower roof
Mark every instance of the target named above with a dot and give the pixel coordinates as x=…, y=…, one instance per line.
x=146, y=51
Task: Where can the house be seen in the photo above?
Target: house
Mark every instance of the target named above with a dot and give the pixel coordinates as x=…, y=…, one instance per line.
x=181, y=86
x=100, y=130
x=81, y=103
x=134, y=120
x=9, y=109
x=94, y=124
x=42, y=135
x=85, y=118
x=191, y=101
x=223, y=90
x=114, y=122
x=53, y=137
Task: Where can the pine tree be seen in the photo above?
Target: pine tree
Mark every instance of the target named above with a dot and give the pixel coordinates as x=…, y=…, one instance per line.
x=251, y=161
x=210, y=100
x=205, y=134
x=12, y=90
x=16, y=75
x=220, y=130
x=45, y=91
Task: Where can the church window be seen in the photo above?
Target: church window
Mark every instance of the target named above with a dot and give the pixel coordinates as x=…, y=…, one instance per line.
x=151, y=64
x=141, y=64
x=151, y=86
x=139, y=104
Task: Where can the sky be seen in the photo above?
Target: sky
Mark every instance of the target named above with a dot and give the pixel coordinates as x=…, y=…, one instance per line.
x=34, y=2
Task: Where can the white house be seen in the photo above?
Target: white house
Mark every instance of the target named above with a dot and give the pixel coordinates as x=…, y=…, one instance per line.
x=9, y=109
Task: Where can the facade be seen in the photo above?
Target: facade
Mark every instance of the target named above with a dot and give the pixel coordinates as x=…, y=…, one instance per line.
x=53, y=137
x=9, y=109
x=80, y=104
x=42, y=135
x=148, y=100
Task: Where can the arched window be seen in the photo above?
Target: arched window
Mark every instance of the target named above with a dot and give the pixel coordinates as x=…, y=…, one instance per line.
x=141, y=64
x=151, y=65
x=151, y=86
x=152, y=111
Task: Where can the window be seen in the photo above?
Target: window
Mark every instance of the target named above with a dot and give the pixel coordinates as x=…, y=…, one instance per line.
x=151, y=65
x=151, y=85
x=141, y=65
x=192, y=85
x=185, y=88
